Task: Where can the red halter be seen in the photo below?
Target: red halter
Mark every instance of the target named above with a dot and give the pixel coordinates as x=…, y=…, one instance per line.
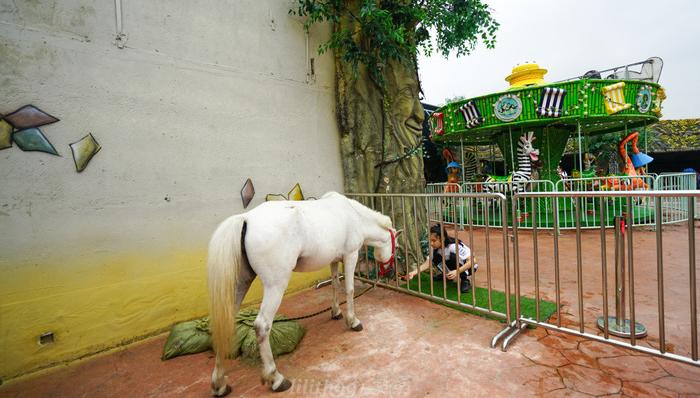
x=387, y=266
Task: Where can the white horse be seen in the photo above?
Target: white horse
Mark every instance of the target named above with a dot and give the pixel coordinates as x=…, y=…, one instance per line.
x=273, y=240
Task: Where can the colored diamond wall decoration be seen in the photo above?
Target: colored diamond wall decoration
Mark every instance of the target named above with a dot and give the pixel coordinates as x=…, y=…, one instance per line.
x=295, y=193
x=274, y=196
x=5, y=135
x=247, y=192
x=83, y=151
x=29, y=116
x=33, y=139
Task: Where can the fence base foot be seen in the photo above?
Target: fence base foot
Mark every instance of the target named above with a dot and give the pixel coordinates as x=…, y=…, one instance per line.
x=499, y=335
x=622, y=330
x=516, y=331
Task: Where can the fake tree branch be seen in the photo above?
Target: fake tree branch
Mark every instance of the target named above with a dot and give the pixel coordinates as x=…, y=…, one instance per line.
x=375, y=43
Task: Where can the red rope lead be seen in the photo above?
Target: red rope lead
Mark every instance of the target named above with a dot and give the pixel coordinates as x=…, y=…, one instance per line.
x=386, y=267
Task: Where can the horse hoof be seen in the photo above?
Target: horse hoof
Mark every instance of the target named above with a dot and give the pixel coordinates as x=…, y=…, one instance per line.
x=357, y=328
x=336, y=317
x=224, y=393
x=284, y=386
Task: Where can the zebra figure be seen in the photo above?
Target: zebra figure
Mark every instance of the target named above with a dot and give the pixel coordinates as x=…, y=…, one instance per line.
x=470, y=164
x=516, y=181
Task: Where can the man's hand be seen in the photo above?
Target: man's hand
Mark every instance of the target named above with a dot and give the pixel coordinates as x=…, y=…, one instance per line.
x=411, y=274
x=451, y=275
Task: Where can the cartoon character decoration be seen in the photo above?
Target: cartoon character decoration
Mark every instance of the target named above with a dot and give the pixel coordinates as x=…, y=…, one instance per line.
x=452, y=170
x=516, y=181
x=452, y=185
x=660, y=97
x=562, y=173
x=588, y=167
x=634, y=166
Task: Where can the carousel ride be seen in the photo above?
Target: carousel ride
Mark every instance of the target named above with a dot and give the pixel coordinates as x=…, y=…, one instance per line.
x=532, y=121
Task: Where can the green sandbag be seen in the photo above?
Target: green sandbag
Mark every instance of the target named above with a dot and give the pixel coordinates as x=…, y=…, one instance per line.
x=284, y=336
x=193, y=336
x=187, y=338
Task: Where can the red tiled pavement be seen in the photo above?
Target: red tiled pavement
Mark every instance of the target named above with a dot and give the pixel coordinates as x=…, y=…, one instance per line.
x=409, y=347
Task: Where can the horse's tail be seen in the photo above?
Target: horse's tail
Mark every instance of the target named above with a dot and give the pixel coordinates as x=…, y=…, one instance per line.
x=225, y=258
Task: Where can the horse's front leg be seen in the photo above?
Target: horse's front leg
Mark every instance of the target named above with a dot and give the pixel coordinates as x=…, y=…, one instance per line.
x=335, y=280
x=349, y=263
x=272, y=297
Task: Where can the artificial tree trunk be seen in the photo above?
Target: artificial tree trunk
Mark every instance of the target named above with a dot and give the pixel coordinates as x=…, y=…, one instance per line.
x=380, y=130
x=381, y=127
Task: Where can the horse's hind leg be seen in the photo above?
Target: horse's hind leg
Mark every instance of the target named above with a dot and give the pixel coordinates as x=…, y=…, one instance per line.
x=218, y=376
x=274, y=287
x=335, y=279
x=349, y=263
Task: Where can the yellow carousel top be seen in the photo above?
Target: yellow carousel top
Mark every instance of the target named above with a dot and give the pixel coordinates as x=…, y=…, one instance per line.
x=526, y=75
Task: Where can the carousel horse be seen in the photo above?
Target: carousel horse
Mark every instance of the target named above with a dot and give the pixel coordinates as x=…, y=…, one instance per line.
x=516, y=181
x=273, y=240
x=638, y=159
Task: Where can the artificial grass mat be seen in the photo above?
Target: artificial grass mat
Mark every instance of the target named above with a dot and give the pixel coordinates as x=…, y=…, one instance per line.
x=498, y=299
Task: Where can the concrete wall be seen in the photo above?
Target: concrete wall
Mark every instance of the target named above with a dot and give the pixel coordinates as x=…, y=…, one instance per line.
x=201, y=98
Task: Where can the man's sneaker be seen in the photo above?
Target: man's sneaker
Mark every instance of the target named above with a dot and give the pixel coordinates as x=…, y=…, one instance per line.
x=465, y=286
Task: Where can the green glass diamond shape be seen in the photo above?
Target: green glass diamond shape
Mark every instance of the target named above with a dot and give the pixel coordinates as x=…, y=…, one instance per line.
x=33, y=139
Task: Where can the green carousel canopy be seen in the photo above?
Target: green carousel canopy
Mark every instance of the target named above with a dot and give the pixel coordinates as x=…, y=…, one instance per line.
x=595, y=105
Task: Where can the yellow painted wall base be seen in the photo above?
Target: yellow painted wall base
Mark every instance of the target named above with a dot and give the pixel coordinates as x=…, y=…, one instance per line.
x=98, y=303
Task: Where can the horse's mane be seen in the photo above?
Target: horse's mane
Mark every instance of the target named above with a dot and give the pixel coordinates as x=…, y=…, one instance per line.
x=381, y=219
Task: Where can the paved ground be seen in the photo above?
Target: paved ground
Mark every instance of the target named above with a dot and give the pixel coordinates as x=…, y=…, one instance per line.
x=675, y=275
x=409, y=347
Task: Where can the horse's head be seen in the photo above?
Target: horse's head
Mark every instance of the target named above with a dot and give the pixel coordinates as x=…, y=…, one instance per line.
x=385, y=252
x=526, y=144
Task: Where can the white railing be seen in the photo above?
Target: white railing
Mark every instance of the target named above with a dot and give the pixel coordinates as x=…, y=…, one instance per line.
x=443, y=187
x=643, y=208
x=675, y=209
x=589, y=214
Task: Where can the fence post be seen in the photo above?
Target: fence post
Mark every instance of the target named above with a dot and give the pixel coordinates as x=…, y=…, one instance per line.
x=619, y=325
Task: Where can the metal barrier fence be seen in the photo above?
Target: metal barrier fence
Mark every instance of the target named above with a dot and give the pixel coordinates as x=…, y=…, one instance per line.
x=643, y=210
x=675, y=209
x=442, y=187
x=568, y=271
x=572, y=269
x=414, y=214
x=589, y=214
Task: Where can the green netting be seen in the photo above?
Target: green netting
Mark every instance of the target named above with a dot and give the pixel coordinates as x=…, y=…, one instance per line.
x=193, y=336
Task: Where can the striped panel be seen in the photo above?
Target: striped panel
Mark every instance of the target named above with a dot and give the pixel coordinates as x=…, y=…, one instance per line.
x=470, y=164
x=472, y=116
x=551, y=102
x=615, y=98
